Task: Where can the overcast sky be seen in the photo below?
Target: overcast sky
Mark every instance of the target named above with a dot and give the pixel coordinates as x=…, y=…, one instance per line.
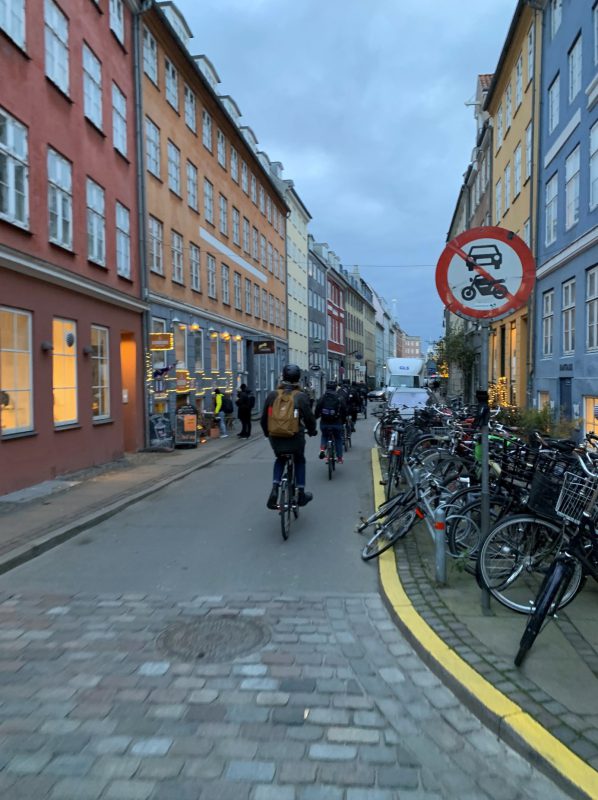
x=363, y=101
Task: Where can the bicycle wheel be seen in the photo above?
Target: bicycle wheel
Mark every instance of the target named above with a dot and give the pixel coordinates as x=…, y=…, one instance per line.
x=285, y=508
x=514, y=559
x=551, y=592
x=464, y=529
x=330, y=465
x=390, y=477
x=389, y=533
x=423, y=444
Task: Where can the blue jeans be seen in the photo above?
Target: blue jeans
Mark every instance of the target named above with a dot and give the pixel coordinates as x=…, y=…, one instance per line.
x=221, y=422
x=299, y=469
x=333, y=432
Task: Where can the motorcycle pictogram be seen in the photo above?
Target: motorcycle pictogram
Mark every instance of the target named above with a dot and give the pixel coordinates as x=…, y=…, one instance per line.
x=485, y=287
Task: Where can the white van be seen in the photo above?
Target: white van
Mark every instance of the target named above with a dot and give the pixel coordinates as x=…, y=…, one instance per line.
x=405, y=384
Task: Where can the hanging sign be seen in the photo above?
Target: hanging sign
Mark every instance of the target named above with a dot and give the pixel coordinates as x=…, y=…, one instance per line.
x=264, y=346
x=485, y=273
x=161, y=340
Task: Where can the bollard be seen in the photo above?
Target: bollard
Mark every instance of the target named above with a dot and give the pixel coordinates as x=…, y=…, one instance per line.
x=440, y=545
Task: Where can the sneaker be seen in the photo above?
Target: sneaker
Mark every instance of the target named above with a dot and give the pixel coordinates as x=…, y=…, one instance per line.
x=322, y=453
x=224, y=435
x=272, y=501
x=339, y=460
x=303, y=497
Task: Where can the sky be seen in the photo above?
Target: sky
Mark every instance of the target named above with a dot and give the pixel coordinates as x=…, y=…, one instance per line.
x=363, y=102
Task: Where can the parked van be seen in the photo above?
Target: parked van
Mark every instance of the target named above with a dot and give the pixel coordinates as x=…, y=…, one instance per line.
x=405, y=384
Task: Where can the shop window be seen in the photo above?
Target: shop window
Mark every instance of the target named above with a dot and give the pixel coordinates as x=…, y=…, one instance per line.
x=16, y=380
x=198, y=351
x=180, y=346
x=227, y=355
x=158, y=356
x=100, y=372
x=64, y=371
x=590, y=414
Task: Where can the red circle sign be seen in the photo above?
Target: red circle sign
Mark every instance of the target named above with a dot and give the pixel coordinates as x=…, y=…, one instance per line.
x=485, y=273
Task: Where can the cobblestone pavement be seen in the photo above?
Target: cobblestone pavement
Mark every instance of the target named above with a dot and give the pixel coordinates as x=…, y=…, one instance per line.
x=331, y=705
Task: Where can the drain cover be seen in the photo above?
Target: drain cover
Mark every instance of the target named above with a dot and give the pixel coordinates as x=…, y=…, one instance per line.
x=212, y=640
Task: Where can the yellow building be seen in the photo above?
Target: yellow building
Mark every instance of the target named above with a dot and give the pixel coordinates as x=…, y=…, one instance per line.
x=512, y=103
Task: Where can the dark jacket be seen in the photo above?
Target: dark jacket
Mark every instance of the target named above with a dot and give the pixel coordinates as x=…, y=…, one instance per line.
x=307, y=420
x=244, y=403
x=342, y=413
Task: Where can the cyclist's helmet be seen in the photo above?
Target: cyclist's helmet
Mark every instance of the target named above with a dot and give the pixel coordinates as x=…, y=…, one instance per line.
x=331, y=386
x=291, y=373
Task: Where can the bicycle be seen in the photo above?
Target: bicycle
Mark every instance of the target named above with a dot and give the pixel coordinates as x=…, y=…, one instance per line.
x=330, y=457
x=287, y=495
x=347, y=433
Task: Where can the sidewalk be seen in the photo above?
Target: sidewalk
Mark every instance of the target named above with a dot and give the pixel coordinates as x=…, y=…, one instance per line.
x=548, y=709
x=39, y=518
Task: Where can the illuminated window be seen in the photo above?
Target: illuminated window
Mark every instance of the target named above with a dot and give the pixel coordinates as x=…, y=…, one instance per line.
x=64, y=371
x=590, y=414
x=100, y=372
x=16, y=377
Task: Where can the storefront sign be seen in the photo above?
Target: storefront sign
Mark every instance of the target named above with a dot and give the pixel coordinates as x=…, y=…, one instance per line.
x=264, y=346
x=160, y=430
x=161, y=341
x=566, y=367
x=183, y=384
x=186, y=426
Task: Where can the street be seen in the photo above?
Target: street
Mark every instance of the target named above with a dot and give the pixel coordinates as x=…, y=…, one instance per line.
x=183, y=650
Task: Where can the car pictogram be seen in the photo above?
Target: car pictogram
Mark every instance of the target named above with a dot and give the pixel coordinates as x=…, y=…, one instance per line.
x=484, y=255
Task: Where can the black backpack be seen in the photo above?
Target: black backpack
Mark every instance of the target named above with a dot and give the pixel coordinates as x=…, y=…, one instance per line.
x=330, y=410
x=227, y=405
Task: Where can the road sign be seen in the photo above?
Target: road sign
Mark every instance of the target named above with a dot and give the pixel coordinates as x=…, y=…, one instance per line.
x=485, y=273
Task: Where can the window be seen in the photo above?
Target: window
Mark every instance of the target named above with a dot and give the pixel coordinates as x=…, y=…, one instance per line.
x=547, y=323
x=176, y=251
x=594, y=166
x=575, y=69
x=270, y=258
x=527, y=232
x=234, y=164
x=156, y=246
x=211, y=276
x=172, y=84
x=530, y=53
x=269, y=209
x=254, y=242
x=152, y=147
x=256, y=300
x=214, y=355
x=517, y=170
x=16, y=369
x=595, y=20
x=236, y=226
x=119, y=120
x=174, y=168
x=190, y=117
x=244, y=184
x=507, y=187
x=528, y=151
x=283, y=317
x=12, y=20
x=180, y=347
x=96, y=223
x=246, y=234
x=195, y=267
x=60, y=200
x=277, y=312
x=254, y=189
x=206, y=130
x=556, y=12
x=225, y=279
x=237, y=290
x=123, y=241
x=264, y=305
x=198, y=351
x=508, y=107
x=100, y=372
x=221, y=148
x=14, y=175
x=554, y=91
x=592, y=309
x=590, y=422
x=498, y=203
x=117, y=19
x=551, y=209
x=150, y=56
x=271, y=310
x=223, y=205
x=572, y=189
x=247, y=296
x=262, y=200
x=519, y=81
x=64, y=371
x=192, y=187
x=92, y=87
x=56, y=30
x=208, y=201
x=499, y=127
x=568, y=317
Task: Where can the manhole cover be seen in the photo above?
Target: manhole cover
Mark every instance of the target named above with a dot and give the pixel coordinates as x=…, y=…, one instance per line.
x=213, y=640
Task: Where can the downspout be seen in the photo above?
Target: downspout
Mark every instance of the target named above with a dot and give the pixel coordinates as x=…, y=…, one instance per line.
x=141, y=205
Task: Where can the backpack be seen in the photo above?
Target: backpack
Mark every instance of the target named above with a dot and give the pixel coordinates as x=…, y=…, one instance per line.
x=283, y=417
x=251, y=401
x=330, y=410
x=227, y=405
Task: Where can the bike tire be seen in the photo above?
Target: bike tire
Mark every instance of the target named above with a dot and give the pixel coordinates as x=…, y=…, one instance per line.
x=390, y=477
x=285, y=509
x=389, y=533
x=422, y=445
x=548, y=600
x=464, y=529
x=330, y=467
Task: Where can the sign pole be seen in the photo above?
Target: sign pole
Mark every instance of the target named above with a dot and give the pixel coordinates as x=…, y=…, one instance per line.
x=484, y=412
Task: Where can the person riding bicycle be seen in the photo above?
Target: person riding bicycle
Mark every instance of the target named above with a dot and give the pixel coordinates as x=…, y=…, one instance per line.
x=289, y=439
x=353, y=403
x=332, y=413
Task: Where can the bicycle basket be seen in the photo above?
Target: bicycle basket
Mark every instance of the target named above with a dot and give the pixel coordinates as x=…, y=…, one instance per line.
x=576, y=496
x=546, y=485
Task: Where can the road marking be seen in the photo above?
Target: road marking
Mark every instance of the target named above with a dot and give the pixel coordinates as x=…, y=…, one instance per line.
x=510, y=717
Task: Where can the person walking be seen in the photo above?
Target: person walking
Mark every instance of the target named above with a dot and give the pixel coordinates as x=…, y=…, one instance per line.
x=245, y=402
x=219, y=413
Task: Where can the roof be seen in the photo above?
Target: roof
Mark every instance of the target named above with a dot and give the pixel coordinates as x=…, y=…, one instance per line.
x=485, y=80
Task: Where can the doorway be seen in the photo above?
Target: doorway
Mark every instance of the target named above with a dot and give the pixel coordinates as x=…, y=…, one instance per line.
x=129, y=402
x=565, y=398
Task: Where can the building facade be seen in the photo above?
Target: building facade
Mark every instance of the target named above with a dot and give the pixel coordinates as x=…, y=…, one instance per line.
x=336, y=316
x=71, y=306
x=317, y=325
x=298, y=322
x=566, y=342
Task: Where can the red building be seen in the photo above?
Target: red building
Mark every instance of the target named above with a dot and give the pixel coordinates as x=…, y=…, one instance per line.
x=70, y=283
x=336, y=320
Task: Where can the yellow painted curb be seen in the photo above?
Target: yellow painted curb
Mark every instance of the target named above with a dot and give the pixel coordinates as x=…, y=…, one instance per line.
x=509, y=715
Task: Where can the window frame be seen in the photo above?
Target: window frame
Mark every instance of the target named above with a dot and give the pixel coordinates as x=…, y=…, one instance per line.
x=225, y=283
x=208, y=201
x=554, y=102
x=211, y=273
x=60, y=358
x=117, y=19
x=223, y=215
x=14, y=22
x=237, y=290
x=56, y=46
x=206, y=130
x=574, y=68
x=152, y=147
x=156, y=245
x=572, y=184
x=20, y=352
x=593, y=165
x=177, y=249
x=150, y=55
x=96, y=222
x=551, y=209
x=100, y=370
x=60, y=196
x=192, y=176
x=547, y=323
x=195, y=266
x=173, y=155
x=591, y=311
x=568, y=316
x=92, y=86
x=123, y=240
x=190, y=103
x=221, y=148
x=119, y=120
x=171, y=84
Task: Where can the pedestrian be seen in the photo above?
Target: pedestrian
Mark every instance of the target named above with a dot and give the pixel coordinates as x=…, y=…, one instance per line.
x=228, y=409
x=245, y=402
x=219, y=413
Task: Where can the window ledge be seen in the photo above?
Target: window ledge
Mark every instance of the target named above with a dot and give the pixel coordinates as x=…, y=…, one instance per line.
x=74, y=426
x=95, y=127
x=155, y=177
x=97, y=264
x=18, y=435
x=120, y=44
x=175, y=193
x=19, y=47
x=124, y=156
x=62, y=247
x=15, y=223
x=104, y=421
x=60, y=90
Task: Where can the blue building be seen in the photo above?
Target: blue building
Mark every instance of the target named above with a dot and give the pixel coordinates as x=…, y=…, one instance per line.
x=566, y=307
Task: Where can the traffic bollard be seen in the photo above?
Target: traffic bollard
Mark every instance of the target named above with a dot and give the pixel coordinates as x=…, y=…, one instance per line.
x=440, y=545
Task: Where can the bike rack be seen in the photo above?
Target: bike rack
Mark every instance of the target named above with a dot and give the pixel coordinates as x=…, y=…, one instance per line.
x=436, y=529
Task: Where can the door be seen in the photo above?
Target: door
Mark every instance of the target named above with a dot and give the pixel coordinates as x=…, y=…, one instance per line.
x=131, y=403
x=565, y=399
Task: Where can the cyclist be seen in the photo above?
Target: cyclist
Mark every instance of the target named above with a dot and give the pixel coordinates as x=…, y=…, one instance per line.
x=294, y=444
x=353, y=403
x=332, y=412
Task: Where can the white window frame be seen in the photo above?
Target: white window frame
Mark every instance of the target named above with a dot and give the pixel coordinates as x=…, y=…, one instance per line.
x=192, y=186
x=264, y=305
x=253, y=193
x=223, y=215
x=234, y=164
x=190, y=109
x=499, y=129
x=221, y=148
x=225, y=283
x=507, y=199
x=14, y=166
x=255, y=252
x=551, y=208
x=519, y=81
x=247, y=296
x=508, y=106
x=527, y=232
x=156, y=245
x=592, y=309
x=237, y=290
x=554, y=101
x=211, y=276
x=100, y=371
x=174, y=168
x=64, y=355
x=176, y=253
x=195, y=267
x=56, y=37
x=568, y=316
x=206, y=130
x=531, y=40
x=123, y=240
x=16, y=360
x=117, y=19
x=92, y=86
x=12, y=20
x=572, y=173
x=498, y=201
x=517, y=170
x=150, y=56
x=246, y=235
x=256, y=301
x=262, y=197
x=528, y=151
x=263, y=250
x=60, y=200
x=208, y=201
x=171, y=83
x=593, y=166
x=574, y=64
x=236, y=217
x=152, y=147
x=244, y=178
x=547, y=323
x=119, y=120
x=556, y=14
x=96, y=222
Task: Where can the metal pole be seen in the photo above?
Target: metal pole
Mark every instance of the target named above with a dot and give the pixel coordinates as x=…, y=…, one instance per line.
x=484, y=414
x=440, y=545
